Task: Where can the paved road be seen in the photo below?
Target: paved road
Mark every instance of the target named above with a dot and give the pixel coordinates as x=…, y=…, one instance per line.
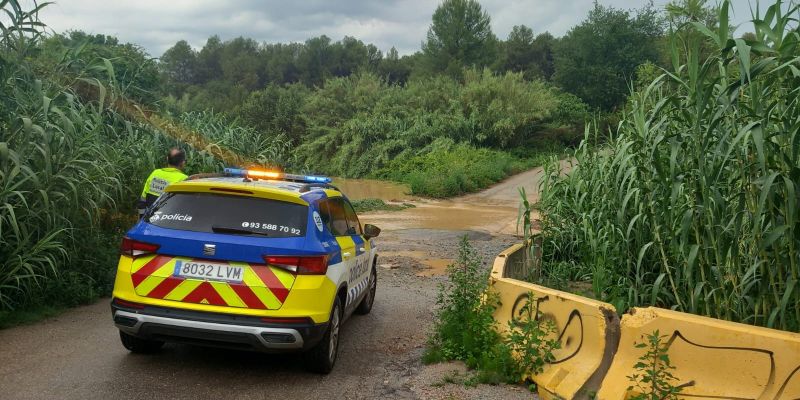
x=78, y=355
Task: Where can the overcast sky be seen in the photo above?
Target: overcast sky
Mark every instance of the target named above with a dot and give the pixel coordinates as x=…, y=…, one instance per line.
x=157, y=25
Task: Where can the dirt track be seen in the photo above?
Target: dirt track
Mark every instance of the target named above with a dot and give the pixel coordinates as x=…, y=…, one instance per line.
x=78, y=355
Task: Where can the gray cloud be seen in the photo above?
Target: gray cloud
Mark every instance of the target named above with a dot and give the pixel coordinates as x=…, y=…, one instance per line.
x=157, y=25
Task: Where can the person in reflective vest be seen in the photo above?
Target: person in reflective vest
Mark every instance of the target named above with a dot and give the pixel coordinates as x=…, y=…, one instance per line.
x=160, y=178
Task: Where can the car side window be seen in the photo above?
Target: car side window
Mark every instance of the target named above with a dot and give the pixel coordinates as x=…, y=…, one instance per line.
x=354, y=227
x=333, y=215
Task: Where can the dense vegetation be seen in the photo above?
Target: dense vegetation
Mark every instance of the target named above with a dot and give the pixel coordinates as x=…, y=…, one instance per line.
x=465, y=328
x=83, y=118
x=693, y=203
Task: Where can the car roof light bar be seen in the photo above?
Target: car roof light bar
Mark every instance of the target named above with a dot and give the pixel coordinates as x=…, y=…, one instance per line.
x=259, y=174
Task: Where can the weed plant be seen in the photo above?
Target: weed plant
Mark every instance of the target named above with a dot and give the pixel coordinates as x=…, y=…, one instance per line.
x=532, y=338
x=654, y=379
x=465, y=328
x=465, y=324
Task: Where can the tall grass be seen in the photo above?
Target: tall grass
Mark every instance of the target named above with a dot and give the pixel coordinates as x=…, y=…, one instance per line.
x=268, y=149
x=72, y=161
x=693, y=202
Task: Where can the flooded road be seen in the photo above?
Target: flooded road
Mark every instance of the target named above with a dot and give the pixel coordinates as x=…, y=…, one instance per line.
x=494, y=210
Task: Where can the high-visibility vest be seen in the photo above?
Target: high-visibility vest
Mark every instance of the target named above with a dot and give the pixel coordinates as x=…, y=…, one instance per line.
x=158, y=180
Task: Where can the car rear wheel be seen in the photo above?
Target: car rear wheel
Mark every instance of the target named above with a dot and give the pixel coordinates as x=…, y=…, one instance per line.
x=322, y=357
x=366, y=303
x=138, y=345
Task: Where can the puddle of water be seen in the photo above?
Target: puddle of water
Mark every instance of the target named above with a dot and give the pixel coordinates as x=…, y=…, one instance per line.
x=436, y=266
x=358, y=189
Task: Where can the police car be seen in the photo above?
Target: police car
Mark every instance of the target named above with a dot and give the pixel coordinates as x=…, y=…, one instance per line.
x=254, y=260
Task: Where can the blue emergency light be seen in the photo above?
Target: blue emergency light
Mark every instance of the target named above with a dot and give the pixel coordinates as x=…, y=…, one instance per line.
x=259, y=174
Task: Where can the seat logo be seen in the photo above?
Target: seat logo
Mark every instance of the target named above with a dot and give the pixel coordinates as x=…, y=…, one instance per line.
x=209, y=249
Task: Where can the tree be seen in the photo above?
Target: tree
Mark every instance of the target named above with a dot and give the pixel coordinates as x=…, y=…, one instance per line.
x=460, y=35
x=179, y=66
x=393, y=69
x=276, y=109
x=315, y=60
x=531, y=56
x=282, y=62
x=543, y=47
x=240, y=63
x=209, y=60
x=597, y=59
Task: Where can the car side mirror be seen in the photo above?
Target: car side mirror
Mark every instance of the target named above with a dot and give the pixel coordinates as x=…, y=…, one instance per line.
x=371, y=231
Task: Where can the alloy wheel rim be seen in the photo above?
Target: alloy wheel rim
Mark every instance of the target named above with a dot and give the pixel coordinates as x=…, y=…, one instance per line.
x=334, y=335
x=372, y=286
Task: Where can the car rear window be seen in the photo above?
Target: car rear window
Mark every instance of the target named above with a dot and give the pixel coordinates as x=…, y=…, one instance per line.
x=236, y=215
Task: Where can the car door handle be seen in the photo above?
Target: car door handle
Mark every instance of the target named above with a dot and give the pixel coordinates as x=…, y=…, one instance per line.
x=361, y=249
x=346, y=254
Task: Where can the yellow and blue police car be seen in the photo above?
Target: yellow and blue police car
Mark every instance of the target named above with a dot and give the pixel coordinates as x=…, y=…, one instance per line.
x=252, y=259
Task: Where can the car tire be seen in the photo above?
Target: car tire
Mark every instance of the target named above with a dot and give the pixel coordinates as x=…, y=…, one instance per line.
x=366, y=303
x=138, y=345
x=322, y=357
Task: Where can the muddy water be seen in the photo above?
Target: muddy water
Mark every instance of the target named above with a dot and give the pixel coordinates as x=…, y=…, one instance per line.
x=358, y=189
x=449, y=215
x=434, y=266
x=493, y=211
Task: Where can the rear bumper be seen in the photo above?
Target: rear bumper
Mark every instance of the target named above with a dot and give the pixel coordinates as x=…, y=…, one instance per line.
x=215, y=330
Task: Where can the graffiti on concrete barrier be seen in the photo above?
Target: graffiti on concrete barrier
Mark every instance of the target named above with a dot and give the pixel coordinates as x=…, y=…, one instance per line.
x=570, y=343
x=732, y=356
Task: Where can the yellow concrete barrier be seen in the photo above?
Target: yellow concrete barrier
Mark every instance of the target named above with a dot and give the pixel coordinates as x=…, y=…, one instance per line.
x=714, y=359
x=588, y=330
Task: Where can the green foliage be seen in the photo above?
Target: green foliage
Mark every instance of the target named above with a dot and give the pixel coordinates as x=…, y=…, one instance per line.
x=597, y=59
x=80, y=55
x=460, y=36
x=70, y=168
x=464, y=329
x=533, y=57
x=359, y=126
x=532, y=339
x=276, y=110
x=266, y=149
x=179, y=66
x=653, y=377
x=371, y=204
x=692, y=204
x=450, y=170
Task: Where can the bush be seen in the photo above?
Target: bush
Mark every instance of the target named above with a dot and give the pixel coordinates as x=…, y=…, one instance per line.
x=359, y=125
x=465, y=328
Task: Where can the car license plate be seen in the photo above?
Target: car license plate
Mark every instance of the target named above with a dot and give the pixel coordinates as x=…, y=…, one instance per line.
x=209, y=271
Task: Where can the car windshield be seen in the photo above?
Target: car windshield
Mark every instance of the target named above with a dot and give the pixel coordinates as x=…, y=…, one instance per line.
x=226, y=214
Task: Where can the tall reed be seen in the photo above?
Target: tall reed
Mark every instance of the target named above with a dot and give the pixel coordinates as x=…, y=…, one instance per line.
x=692, y=203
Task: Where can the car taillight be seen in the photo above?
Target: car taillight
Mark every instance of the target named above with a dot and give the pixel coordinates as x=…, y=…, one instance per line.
x=128, y=304
x=135, y=248
x=302, y=265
